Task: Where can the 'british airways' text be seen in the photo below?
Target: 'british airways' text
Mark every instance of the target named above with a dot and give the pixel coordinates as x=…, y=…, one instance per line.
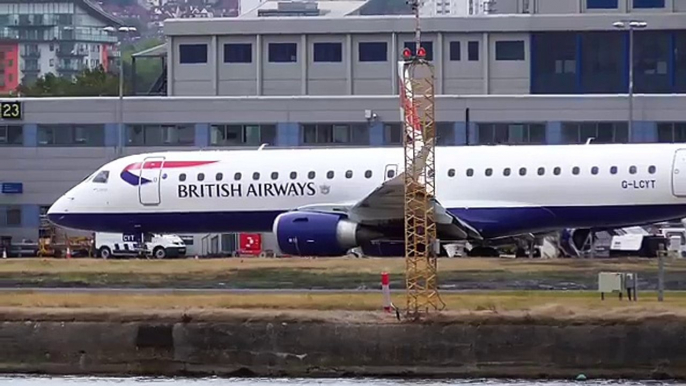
x=267, y=189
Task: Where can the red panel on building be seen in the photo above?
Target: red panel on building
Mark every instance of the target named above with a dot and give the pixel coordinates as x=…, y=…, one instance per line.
x=9, y=67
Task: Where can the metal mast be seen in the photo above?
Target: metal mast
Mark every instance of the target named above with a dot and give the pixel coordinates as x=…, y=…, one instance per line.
x=421, y=245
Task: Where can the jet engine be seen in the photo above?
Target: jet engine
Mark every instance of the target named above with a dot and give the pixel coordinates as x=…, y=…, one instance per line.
x=318, y=234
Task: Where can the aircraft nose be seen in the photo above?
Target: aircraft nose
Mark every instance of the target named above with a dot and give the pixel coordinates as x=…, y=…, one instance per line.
x=59, y=209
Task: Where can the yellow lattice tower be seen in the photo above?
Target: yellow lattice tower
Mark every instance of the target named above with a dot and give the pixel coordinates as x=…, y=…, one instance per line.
x=417, y=101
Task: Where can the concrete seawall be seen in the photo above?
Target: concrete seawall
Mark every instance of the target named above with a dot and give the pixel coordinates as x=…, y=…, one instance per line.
x=285, y=346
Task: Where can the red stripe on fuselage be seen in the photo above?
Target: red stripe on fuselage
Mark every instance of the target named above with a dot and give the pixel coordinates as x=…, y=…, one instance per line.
x=167, y=164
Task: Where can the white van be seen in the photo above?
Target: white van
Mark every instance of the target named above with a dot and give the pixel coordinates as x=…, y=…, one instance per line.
x=158, y=246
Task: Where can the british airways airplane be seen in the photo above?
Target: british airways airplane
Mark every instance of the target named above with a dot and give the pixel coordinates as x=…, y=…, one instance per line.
x=323, y=202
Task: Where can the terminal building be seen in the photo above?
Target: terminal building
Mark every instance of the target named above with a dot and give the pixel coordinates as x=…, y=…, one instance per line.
x=324, y=74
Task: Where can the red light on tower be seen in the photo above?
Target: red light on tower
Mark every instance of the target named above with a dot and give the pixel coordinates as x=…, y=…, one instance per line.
x=421, y=52
x=407, y=53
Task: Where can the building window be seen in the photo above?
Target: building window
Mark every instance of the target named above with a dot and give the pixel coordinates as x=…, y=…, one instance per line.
x=473, y=51
x=651, y=62
x=283, y=52
x=455, y=51
x=242, y=135
x=601, y=4
x=328, y=52
x=238, y=53
x=445, y=131
x=318, y=134
x=511, y=133
x=649, y=3
x=331, y=134
x=555, y=63
x=372, y=51
x=10, y=216
x=192, y=53
x=671, y=132
x=602, y=61
x=160, y=135
x=509, y=50
x=11, y=135
x=71, y=135
x=428, y=47
x=601, y=132
x=393, y=134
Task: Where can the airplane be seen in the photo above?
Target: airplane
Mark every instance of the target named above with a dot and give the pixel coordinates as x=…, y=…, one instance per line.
x=327, y=201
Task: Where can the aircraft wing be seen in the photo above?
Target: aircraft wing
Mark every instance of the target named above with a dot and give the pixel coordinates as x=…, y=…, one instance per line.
x=386, y=204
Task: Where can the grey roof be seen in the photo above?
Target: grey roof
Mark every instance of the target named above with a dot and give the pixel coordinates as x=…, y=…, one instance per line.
x=327, y=8
x=94, y=10
x=405, y=24
x=90, y=7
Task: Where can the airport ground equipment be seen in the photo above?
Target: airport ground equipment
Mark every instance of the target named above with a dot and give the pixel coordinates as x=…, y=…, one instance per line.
x=618, y=282
x=419, y=137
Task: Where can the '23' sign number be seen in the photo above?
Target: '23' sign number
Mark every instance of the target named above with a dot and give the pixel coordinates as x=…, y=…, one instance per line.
x=10, y=110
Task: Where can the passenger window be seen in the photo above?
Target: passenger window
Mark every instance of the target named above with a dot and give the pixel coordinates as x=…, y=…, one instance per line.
x=201, y=176
x=575, y=170
x=541, y=171
x=557, y=171
x=632, y=169
x=489, y=172
x=613, y=170
x=349, y=174
x=594, y=170
x=651, y=169
x=390, y=173
x=256, y=176
x=451, y=172
x=368, y=174
x=219, y=176
x=522, y=171
x=182, y=177
x=237, y=176
x=275, y=175
x=329, y=174
x=470, y=172
x=310, y=175
x=294, y=175
x=101, y=177
x=506, y=172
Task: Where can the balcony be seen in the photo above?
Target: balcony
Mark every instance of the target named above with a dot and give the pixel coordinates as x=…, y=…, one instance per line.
x=70, y=51
x=30, y=54
x=7, y=33
x=29, y=69
x=70, y=67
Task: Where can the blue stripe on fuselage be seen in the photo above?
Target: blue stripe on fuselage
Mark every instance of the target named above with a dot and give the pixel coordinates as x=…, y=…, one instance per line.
x=490, y=222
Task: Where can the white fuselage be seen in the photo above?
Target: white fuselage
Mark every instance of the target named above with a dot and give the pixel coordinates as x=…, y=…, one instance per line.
x=548, y=187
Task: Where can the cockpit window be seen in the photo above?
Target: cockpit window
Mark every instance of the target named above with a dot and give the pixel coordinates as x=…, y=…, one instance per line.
x=101, y=177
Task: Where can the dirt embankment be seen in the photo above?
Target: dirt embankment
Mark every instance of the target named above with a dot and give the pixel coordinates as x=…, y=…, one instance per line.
x=340, y=344
x=330, y=273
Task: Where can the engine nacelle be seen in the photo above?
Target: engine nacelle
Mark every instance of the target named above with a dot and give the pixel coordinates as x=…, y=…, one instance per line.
x=315, y=234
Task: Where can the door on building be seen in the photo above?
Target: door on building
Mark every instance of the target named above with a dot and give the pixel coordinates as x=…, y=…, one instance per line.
x=149, y=185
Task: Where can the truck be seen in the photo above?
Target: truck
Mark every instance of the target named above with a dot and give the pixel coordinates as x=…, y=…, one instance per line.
x=157, y=246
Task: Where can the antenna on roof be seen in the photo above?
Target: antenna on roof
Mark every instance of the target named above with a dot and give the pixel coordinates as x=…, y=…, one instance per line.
x=262, y=146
